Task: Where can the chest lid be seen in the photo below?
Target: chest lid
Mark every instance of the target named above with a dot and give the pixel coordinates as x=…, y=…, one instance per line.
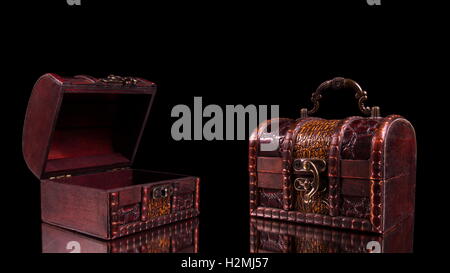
x=84, y=124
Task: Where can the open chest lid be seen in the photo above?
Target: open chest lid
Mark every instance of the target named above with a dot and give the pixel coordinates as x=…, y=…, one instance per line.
x=79, y=124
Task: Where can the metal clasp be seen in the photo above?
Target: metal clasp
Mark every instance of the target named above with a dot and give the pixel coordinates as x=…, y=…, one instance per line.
x=310, y=170
x=162, y=191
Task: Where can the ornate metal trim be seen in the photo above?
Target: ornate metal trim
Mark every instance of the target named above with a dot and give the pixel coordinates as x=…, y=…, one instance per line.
x=306, y=184
x=113, y=79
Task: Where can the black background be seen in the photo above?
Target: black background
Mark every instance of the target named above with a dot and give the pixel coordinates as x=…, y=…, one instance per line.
x=270, y=53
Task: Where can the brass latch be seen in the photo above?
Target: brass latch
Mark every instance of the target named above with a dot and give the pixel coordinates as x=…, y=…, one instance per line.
x=309, y=182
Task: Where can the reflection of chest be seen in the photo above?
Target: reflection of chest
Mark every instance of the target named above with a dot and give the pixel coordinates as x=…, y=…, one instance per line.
x=181, y=236
x=272, y=236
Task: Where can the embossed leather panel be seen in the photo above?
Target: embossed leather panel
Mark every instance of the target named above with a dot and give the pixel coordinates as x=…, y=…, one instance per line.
x=271, y=198
x=314, y=139
x=129, y=214
x=355, y=206
x=183, y=201
x=274, y=136
x=357, y=138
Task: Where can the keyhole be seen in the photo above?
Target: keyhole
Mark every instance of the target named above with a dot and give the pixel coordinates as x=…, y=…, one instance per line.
x=164, y=192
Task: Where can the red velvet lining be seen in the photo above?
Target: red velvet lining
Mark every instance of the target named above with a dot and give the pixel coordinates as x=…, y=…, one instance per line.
x=96, y=130
x=80, y=142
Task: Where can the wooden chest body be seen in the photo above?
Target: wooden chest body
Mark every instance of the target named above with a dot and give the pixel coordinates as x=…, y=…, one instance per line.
x=365, y=169
x=80, y=138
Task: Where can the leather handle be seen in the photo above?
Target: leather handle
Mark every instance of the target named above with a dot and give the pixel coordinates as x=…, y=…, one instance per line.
x=342, y=83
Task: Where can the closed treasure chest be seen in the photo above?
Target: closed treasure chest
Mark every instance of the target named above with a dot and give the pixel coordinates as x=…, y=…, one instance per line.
x=357, y=173
x=80, y=138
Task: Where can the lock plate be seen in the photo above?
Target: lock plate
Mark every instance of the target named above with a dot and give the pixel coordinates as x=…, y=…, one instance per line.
x=162, y=191
x=160, y=201
x=311, y=149
x=311, y=190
